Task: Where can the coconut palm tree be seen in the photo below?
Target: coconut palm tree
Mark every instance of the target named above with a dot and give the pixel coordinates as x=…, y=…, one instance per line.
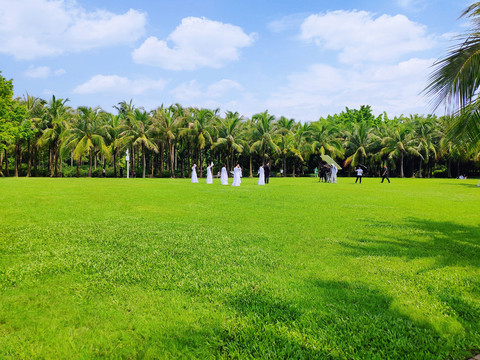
x=455, y=82
x=360, y=140
x=116, y=142
x=86, y=134
x=55, y=118
x=324, y=140
x=165, y=124
x=398, y=143
x=35, y=110
x=137, y=133
x=199, y=129
x=264, y=131
x=229, y=133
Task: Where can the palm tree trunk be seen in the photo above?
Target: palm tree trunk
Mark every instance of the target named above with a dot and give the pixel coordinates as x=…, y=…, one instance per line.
x=29, y=160
x=172, y=159
x=251, y=165
x=34, y=155
x=114, y=163
x=144, y=161
x=401, y=166
x=17, y=156
x=78, y=167
x=7, y=172
x=90, y=163
x=1, y=164
x=200, y=163
x=133, y=160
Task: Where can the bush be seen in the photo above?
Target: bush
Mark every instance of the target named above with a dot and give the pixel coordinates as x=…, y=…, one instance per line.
x=440, y=171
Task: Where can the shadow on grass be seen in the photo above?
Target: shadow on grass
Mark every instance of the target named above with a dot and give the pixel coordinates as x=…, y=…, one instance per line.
x=266, y=327
x=330, y=320
x=462, y=184
x=449, y=243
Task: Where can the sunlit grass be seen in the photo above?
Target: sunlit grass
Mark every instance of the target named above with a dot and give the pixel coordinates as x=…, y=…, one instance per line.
x=161, y=268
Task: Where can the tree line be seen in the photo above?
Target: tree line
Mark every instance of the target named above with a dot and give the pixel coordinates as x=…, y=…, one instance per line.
x=50, y=138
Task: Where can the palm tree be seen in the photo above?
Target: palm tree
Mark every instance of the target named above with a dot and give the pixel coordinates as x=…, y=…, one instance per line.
x=199, y=130
x=116, y=142
x=324, y=140
x=86, y=134
x=398, y=143
x=264, y=131
x=55, y=118
x=455, y=81
x=165, y=125
x=359, y=143
x=35, y=108
x=229, y=130
x=137, y=133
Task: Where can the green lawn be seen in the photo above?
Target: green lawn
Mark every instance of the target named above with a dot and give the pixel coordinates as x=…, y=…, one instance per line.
x=161, y=268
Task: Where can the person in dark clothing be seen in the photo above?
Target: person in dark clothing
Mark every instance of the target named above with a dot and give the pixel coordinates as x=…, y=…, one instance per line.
x=359, y=172
x=385, y=174
x=266, y=169
x=322, y=174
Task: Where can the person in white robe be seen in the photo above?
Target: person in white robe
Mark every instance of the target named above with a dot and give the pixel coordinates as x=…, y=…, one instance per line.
x=237, y=173
x=194, y=174
x=224, y=176
x=333, y=176
x=261, y=176
x=209, y=174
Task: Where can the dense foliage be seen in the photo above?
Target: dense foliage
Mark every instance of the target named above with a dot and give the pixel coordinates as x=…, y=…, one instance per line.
x=49, y=138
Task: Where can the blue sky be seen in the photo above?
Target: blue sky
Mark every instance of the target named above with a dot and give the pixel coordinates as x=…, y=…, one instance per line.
x=301, y=59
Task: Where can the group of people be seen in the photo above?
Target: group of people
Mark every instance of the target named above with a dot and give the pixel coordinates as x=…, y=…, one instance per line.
x=263, y=174
x=328, y=173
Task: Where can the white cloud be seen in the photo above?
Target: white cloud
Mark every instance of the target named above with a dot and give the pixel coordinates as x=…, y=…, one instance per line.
x=195, y=43
x=118, y=84
x=193, y=91
x=34, y=28
x=360, y=36
x=415, y=5
x=222, y=87
x=325, y=89
x=42, y=72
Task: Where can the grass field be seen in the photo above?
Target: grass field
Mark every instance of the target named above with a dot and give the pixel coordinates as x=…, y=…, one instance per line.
x=161, y=268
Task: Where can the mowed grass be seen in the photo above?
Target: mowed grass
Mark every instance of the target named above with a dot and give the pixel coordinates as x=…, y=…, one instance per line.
x=161, y=268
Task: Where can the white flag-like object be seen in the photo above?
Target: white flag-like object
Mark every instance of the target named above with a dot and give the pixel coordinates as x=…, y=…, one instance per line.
x=329, y=161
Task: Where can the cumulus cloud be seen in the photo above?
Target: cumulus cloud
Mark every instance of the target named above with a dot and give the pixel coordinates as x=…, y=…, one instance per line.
x=118, y=84
x=196, y=42
x=42, y=72
x=361, y=36
x=192, y=90
x=34, y=28
x=325, y=89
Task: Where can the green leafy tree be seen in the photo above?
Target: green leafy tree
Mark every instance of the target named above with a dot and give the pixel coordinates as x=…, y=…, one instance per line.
x=455, y=81
x=86, y=134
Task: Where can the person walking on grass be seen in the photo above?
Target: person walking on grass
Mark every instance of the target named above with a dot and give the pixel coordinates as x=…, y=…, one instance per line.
x=385, y=174
x=333, y=176
x=224, y=176
x=194, y=174
x=266, y=170
x=359, y=172
x=316, y=172
x=210, y=174
x=261, y=175
x=237, y=174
